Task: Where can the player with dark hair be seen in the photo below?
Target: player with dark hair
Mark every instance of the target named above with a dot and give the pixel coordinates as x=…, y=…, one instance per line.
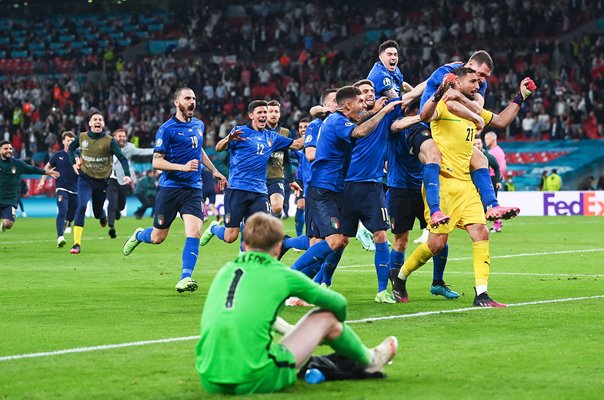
x=325, y=189
x=404, y=197
x=117, y=190
x=279, y=170
x=250, y=147
x=94, y=168
x=66, y=187
x=302, y=175
x=453, y=129
x=236, y=352
x=11, y=170
x=178, y=150
x=430, y=154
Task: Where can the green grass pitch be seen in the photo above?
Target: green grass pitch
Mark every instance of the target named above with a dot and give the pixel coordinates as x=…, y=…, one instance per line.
x=537, y=349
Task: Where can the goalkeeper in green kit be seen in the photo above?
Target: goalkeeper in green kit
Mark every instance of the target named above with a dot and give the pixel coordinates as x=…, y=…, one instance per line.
x=237, y=353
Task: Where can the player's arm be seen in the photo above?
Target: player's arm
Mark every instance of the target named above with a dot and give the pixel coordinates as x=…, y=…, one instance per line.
x=413, y=94
x=456, y=108
x=234, y=135
x=135, y=151
x=474, y=106
x=117, y=151
x=297, y=144
x=495, y=165
x=304, y=288
x=72, y=149
x=406, y=87
x=207, y=162
x=404, y=123
x=369, y=126
x=23, y=168
x=310, y=153
x=390, y=94
x=159, y=162
x=288, y=173
x=43, y=178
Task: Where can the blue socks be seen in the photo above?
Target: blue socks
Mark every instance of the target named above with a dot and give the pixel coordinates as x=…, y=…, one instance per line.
x=440, y=261
x=218, y=231
x=382, y=260
x=189, y=256
x=482, y=180
x=432, y=186
x=396, y=259
x=316, y=254
x=300, y=242
x=144, y=236
x=299, y=219
x=330, y=265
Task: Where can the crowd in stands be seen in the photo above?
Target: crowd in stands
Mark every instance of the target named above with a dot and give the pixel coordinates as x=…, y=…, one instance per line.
x=292, y=51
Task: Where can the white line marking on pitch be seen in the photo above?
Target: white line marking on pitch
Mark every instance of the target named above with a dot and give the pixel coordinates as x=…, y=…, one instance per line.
x=356, y=321
x=569, y=275
x=550, y=253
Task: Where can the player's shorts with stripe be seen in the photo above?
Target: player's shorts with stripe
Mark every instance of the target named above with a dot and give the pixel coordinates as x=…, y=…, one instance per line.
x=365, y=202
x=170, y=201
x=8, y=212
x=404, y=206
x=274, y=378
x=461, y=201
x=241, y=204
x=416, y=135
x=323, y=212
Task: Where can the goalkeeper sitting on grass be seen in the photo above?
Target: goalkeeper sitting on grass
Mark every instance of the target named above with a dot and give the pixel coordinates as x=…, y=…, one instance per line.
x=237, y=353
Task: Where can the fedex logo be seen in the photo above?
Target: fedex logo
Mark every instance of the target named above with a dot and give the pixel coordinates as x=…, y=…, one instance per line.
x=586, y=205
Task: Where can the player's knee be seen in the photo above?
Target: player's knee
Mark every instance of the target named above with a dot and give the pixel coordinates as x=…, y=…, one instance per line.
x=230, y=235
x=436, y=243
x=7, y=224
x=158, y=237
x=301, y=204
x=400, y=242
x=380, y=237
x=277, y=209
x=478, y=161
x=430, y=153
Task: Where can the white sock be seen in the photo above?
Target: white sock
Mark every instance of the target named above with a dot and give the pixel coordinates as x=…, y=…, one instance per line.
x=480, y=289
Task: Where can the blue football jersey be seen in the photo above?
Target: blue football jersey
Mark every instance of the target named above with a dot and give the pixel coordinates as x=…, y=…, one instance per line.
x=437, y=78
x=180, y=142
x=249, y=158
x=68, y=180
x=384, y=80
x=405, y=171
x=334, y=147
x=369, y=152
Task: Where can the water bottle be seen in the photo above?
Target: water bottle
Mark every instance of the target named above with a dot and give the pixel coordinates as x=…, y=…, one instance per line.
x=314, y=376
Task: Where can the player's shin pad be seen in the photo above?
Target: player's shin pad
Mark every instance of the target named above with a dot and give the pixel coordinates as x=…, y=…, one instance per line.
x=337, y=367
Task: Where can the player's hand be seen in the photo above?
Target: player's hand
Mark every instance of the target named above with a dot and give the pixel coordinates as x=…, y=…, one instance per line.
x=498, y=186
x=296, y=188
x=449, y=80
x=235, y=136
x=479, y=122
x=316, y=111
x=222, y=181
x=191, y=166
x=452, y=94
x=527, y=87
x=380, y=103
x=127, y=180
x=52, y=172
x=40, y=186
x=390, y=106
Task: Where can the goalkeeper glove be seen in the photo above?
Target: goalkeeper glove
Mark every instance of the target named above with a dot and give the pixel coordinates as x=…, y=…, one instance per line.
x=527, y=87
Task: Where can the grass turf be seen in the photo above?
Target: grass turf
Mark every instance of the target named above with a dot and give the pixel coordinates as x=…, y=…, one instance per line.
x=52, y=300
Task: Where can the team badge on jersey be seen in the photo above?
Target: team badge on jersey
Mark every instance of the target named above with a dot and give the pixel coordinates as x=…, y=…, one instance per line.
x=84, y=144
x=158, y=142
x=227, y=218
x=387, y=82
x=335, y=223
x=60, y=198
x=160, y=219
x=308, y=139
x=269, y=142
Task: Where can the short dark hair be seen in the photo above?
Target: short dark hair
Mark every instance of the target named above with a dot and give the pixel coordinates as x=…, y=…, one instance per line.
x=463, y=71
x=179, y=91
x=345, y=93
x=67, y=134
x=363, y=82
x=273, y=103
x=554, y=171
x=255, y=104
x=387, y=44
x=305, y=119
x=482, y=57
x=413, y=105
x=325, y=93
x=2, y=143
x=95, y=111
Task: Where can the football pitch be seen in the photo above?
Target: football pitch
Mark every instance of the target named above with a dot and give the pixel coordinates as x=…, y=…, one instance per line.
x=103, y=326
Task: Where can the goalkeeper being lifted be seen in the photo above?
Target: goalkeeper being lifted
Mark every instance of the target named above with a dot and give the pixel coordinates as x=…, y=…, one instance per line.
x=237, y=353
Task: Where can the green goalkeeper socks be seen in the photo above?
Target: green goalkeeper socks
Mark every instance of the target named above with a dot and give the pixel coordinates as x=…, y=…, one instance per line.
x=349, y=345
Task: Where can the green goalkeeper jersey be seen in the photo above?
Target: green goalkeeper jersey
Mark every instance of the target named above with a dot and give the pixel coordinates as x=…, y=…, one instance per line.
x=243, y=301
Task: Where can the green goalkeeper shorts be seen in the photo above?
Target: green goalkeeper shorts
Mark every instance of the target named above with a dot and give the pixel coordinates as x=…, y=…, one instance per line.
x=271, y=379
